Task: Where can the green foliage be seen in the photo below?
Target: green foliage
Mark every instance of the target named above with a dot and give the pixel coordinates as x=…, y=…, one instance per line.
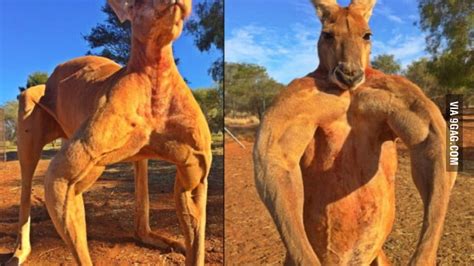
x=210, y=101
x=248, y=88
x=11, y=115
x=208, y=31
x=386, y=63
x=35, y=78
x=454, y=70
x=450, y=25
x=111, y=37
x=419, y=74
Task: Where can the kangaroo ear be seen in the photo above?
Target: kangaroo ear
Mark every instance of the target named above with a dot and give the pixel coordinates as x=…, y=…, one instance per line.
x=325, y=8
x=364, y=7
x=122, y=8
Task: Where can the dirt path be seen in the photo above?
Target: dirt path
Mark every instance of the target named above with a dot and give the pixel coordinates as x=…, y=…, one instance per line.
x=251, y=237
x=110, y=214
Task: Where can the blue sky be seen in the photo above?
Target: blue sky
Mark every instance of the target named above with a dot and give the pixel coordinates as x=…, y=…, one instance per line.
x=38, y=35
x=282, y=34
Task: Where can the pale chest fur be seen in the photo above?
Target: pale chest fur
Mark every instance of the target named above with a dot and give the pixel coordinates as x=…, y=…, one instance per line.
x=348, y=172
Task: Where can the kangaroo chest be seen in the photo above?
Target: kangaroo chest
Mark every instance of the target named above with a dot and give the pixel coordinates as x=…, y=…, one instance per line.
x=348, y=171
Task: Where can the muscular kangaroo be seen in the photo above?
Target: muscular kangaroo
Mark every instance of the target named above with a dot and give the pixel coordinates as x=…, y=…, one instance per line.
x=325, y=157
x=111, y=114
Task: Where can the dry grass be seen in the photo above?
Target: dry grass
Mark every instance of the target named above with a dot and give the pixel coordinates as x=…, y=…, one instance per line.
x=241, y=121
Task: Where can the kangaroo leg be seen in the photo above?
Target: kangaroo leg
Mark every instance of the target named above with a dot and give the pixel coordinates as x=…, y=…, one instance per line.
x=142, y=217
x=78, y=165
x=70, y=173
x=35, y=129
x=191, y=196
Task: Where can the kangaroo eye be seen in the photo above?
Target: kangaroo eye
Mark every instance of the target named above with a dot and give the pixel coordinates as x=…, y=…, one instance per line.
x=367, y=36
x=327, y=35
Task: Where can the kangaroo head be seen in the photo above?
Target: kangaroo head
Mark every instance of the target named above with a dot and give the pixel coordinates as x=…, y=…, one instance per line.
x=344, y=45
x=158, y=21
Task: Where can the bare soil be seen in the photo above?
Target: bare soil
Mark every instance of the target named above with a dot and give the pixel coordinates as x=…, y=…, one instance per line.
x=251, y=237
x=109, y=208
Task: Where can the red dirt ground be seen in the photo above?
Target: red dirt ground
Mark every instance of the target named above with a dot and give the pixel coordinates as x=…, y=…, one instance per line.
x=251, y=237
x=110, y=213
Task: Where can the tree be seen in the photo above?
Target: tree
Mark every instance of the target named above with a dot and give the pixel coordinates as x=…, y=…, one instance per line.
x=419, y=74
x=11, y=115
x=211, y=105
x=111, y=37
x=208, y=31
x=449, y=24
x=386, y=63
x=248, y=89
x=35, y=78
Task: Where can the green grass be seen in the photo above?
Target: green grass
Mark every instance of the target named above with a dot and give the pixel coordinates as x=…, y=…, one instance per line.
x=217, y=143
x=11, y=148
x=217, y=137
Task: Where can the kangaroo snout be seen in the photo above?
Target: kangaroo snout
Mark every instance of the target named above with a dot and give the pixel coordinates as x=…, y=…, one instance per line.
x=348, y=74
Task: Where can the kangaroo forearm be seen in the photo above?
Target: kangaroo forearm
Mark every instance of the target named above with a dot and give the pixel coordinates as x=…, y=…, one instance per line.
x=434, y=184
x=282, y=192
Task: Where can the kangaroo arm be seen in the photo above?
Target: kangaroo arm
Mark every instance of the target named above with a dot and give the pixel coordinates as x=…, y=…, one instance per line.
x=280, y=185
x=419, y=123
x=434, y=184
x=286, y=131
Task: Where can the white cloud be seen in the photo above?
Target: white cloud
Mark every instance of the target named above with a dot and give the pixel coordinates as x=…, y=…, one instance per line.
x=285, y=54
x=405, y=48
x=386, y=12
x=395, y=40
x=306, y=9
x=395, y=18
x=243, y=46
x=413, y=17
